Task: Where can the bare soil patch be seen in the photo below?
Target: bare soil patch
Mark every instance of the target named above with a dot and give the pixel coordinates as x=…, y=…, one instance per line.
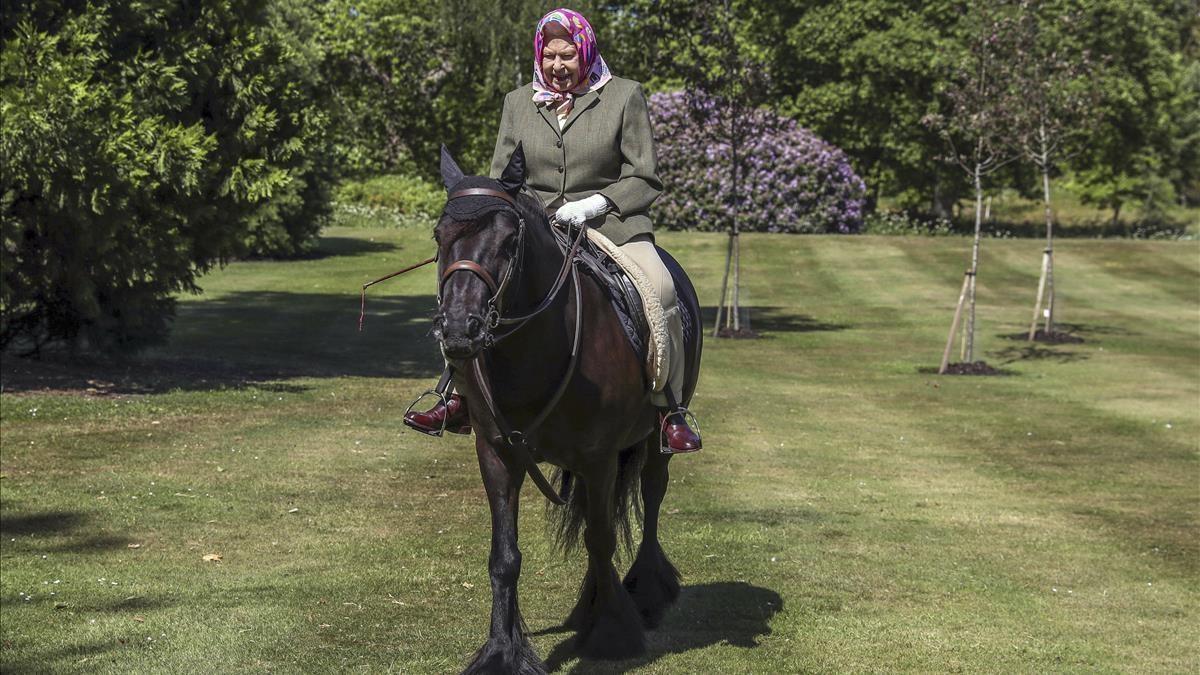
x=975, y=368
x=1056, y=337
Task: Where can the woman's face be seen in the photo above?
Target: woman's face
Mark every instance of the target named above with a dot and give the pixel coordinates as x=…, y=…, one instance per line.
x=560, y=59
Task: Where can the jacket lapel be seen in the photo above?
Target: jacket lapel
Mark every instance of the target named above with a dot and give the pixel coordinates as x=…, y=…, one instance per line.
x=582, y=103
x=550, y=118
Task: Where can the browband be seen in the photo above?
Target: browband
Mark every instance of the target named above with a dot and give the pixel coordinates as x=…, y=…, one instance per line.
x=483, y=192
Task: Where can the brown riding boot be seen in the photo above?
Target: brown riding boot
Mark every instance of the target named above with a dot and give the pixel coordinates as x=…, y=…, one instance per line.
x=453, y=416
x=680, y=437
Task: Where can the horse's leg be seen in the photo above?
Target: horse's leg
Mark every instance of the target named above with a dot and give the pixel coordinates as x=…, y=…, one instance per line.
x=507, y=649
x=652, y=580
x=614, y=628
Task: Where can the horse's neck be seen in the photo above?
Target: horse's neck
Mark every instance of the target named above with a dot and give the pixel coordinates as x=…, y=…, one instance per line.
x=540, y=340
x=543, y=261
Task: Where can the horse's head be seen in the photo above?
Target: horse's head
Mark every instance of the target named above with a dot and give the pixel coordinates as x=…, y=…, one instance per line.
x=479, y=238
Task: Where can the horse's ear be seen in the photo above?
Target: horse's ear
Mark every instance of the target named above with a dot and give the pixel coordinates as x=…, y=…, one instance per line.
x=514, y=174
x=451, y=174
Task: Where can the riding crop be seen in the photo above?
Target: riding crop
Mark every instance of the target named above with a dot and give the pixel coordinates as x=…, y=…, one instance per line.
x=362, y=312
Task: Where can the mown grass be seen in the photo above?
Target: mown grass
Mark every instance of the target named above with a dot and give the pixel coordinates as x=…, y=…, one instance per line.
x=850, y=512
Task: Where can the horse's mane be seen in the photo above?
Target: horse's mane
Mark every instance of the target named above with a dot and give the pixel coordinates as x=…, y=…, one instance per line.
x=530, y=207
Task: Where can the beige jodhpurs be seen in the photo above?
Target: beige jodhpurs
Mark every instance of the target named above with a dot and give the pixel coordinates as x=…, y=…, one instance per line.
x=641, y=250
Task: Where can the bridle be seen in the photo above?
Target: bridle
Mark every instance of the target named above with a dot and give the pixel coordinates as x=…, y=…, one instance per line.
x=494, y=319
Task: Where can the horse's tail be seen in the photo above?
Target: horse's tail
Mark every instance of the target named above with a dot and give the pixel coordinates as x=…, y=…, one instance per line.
x=567, y=522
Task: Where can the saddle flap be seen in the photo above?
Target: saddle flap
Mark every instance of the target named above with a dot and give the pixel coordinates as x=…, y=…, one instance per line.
x=635, y=301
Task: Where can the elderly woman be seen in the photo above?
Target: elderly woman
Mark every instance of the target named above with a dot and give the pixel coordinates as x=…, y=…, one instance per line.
x=590, y=158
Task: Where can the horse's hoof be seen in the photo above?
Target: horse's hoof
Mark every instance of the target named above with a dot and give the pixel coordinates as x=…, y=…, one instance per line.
x=515, y=658
x=614, y=635
x=653, y=582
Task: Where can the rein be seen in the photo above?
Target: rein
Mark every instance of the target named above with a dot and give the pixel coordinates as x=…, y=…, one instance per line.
x=516, y=439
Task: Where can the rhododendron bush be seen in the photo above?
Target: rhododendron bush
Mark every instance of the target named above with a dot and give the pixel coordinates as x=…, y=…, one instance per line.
x=790, y=180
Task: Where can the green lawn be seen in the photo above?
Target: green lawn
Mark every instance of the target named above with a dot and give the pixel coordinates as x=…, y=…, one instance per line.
x=851, y=511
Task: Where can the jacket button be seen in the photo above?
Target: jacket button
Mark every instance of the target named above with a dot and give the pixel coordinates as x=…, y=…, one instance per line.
x=560, y=169
x=558, y=143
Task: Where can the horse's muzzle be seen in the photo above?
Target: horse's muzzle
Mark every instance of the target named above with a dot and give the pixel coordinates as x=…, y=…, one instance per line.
x=460, y=339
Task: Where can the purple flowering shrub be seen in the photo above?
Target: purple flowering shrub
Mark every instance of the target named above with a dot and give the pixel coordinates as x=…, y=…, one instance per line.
x=791, y=180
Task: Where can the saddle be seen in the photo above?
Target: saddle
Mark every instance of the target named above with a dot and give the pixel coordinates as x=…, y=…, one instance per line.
x=641, y=317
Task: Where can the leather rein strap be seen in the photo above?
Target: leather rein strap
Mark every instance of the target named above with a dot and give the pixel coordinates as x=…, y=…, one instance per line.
x=517, y=440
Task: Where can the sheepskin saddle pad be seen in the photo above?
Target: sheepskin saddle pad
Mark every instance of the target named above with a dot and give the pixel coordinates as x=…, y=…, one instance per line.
x=635, y=300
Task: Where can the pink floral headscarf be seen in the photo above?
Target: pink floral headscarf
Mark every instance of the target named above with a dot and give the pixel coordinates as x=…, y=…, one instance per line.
x=590, y=61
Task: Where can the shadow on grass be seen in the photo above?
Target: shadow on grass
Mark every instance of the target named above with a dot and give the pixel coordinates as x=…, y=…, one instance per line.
x=49, y=522
x=733, y=613
x=767, y=320
x=1035, y=352
x=59, y=532
x=135, y=603
x=63, y=659
x=1084, y=329
x=261, y=339
x=331, y=247
x=255, y=339
x=991, y=371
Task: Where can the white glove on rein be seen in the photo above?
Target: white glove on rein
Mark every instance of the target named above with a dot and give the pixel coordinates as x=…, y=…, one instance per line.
x=576, y=213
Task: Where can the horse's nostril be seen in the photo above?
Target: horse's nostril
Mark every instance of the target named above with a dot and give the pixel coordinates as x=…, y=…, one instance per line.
x=474, y=325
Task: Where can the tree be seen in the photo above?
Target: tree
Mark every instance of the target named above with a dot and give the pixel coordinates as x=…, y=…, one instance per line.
x=409, y=76
x=1057, y=112
x=979, y=129
x=142, y=145
x=1139, y=149
x=379, y=61
x=724, y=81
x=862, y=74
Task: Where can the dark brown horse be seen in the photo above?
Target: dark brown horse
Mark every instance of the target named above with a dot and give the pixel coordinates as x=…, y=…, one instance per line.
x=551, y=377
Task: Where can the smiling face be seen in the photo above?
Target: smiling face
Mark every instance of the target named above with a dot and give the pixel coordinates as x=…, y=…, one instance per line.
x=560, y=58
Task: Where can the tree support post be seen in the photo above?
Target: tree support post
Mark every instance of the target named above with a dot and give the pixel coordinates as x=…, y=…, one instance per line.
x=962, y=297
x=1037, y=305
x=737, y=265
x=724, y=286
x=1050, y=295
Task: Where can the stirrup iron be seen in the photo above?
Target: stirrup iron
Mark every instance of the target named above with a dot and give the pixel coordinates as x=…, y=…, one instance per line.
x=441, y=395
x=688, y=417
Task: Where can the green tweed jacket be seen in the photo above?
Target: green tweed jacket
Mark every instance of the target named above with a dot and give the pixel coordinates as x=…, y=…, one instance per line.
x=605, y=146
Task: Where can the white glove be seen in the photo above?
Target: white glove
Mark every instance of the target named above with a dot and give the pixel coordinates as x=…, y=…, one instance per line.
x=576, y=213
